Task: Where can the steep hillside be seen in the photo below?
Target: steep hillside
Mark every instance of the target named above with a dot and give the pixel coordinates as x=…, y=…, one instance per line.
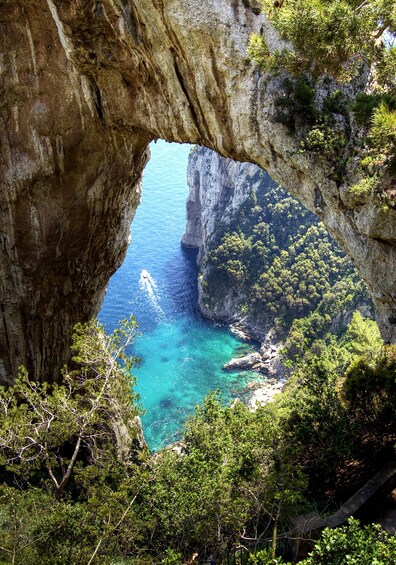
x=265, y=261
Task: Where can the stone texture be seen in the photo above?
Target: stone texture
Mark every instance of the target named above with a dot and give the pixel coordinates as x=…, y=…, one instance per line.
x=249, y=361
x=85, y=85
x=265, y=392
x=217, y=189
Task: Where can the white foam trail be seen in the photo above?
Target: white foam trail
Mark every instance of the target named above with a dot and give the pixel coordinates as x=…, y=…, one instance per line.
x=148, y=284
x=145, y=278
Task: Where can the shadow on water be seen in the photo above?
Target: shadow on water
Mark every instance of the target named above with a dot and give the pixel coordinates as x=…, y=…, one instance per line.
x=180, y=274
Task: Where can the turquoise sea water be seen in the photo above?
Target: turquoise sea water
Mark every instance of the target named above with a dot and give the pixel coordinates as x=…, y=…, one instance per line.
x=181, y=353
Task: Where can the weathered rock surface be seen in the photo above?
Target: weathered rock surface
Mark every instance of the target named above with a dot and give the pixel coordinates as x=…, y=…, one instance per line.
x=85, y=85
x=265, y=392
x=217, y=189
x=249, y=361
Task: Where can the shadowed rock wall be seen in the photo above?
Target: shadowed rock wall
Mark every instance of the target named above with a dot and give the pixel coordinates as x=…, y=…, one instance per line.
x=85, y=85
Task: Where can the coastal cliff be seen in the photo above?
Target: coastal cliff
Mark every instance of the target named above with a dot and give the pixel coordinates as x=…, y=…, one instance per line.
x=265, y=262
x=86, y=85
x=218, y=189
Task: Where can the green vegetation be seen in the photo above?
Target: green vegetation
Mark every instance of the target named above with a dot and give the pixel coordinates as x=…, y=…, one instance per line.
x=281, y=267
x=346, y=114
x=236, y=479
x=355, y=545
x=48, y=429
x=327, y=37
x=349, y=544
x=71, y=462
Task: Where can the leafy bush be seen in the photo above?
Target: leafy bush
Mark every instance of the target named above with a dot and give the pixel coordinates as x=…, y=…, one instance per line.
x=324, y=140
x=354, y=545
x=265, y=557
x=327, y=37
x=382, y=132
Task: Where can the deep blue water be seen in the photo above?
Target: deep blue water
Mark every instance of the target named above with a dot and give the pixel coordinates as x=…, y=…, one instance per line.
x=181, y=353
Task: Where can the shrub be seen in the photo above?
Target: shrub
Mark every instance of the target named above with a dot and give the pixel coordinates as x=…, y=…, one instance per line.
x=353, y=545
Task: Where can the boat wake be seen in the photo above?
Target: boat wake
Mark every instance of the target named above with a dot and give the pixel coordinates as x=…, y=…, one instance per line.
x=148, y=284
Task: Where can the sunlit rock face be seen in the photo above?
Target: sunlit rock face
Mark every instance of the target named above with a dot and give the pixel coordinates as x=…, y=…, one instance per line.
x=217, y=189
x=85, y=85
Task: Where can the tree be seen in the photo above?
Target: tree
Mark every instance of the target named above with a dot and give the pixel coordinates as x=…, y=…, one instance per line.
x=231, y=483
x=333, y=37
x=49, y=428
x=72, y=454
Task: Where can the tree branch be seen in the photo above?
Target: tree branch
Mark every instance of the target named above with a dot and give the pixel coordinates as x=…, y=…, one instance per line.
x=69, y=469
x=112, y=529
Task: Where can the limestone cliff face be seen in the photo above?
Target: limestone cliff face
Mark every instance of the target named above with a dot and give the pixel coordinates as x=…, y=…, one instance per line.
x=85, y=85
x=218, y=187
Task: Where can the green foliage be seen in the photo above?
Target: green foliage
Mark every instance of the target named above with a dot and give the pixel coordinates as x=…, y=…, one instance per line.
x=311, y=336
x=324, y=140
x=312, y=415
x=265, y=557
x=362, y=337
x=259, y=52
x=304, y=94
x=334, y=103
x=364, y=104
x=20, y=513
x=240, y=471
x=377, y=113
x=35, y=528
x=236, y=475
x=76, y=442
x=345, y=401
x=327, y=43
x=172, y=558
x=382, y=132
x=48, y=429
x=326, y=37
x=278, y=262
x=354, y=545
x=230, y=477
x=370, y=388
x=228, y=258
x=365, y=187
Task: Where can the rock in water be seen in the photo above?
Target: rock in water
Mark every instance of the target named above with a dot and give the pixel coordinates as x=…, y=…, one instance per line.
x=250, y=361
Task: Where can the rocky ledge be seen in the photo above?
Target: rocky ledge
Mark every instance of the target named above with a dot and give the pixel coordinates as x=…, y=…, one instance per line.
x=267, y=361
x=250, y=361
x=264, y=392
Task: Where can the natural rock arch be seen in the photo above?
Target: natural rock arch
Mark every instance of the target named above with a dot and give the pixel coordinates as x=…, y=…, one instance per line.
x=86, y=85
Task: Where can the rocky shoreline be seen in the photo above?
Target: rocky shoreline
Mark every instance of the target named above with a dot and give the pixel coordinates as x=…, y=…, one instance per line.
x=264, y=392
x=218, y=188
x=266, y=362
